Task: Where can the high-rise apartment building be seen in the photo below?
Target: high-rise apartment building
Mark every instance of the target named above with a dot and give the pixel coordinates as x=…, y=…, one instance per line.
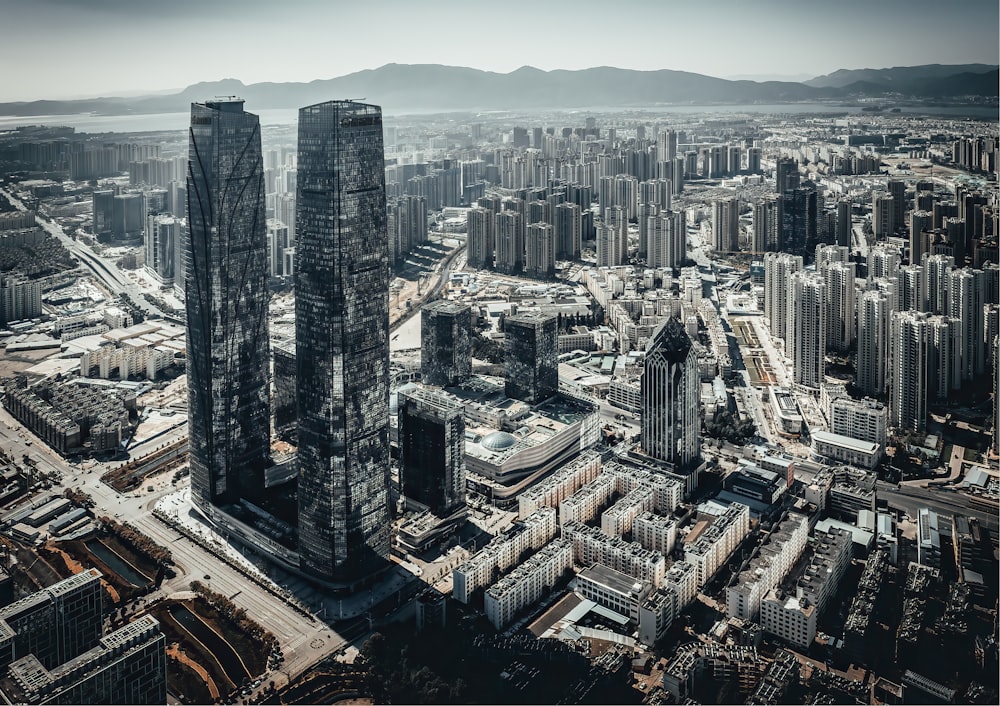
x=923, y=364
x=667, y=239
x=726, y=225
x=841, y=298
x=669, y=391
x=509, y=238
x=480, y=239
x=883, y=209
x=766, y=225
x=342, y=342
x=874, y=308
x=883, y=261
x=806, y=340
x=225, y=269
x=531, y=356
x=445, y=343
x=778, y=271
x=539, y=250
x=431, y=450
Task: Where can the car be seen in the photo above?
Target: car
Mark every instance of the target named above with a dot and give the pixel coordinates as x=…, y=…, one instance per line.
x=207, y=577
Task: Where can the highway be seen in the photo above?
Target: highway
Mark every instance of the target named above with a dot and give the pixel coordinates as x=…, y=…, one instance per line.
x=106, y=271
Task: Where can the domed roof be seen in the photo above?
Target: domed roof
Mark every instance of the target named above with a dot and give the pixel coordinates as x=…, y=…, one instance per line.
x=498, y=441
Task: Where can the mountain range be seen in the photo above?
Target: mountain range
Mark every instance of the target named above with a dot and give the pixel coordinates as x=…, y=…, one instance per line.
x=406, y=87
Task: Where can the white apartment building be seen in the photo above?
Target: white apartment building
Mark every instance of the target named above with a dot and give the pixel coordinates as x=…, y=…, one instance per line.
x=682, y=579
x=806, y=341
x=591, y=546
x=775, y=558
x=527, y=583
x=618, y=519
x=717, y=543
x=560, y=485
x=655, y=532
x=588, y=501
x=500, y=554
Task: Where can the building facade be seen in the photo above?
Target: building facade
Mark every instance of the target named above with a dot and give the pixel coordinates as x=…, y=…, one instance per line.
x=225, y=268
x=670, y=396
x=342, y=341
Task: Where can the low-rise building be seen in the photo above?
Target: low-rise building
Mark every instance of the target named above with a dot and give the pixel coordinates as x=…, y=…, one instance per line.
x=775, y=558
x=618, y=519
x=592, y=546
x=715, y=545
x=503, y=552
x=613, y=589
x=846, y=449
x=655, y=532
x=551, y=491
x=528, y=582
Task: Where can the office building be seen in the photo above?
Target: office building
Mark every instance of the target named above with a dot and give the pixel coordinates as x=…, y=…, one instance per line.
x=670, y=396
x=798, y=220
x=778, y=271
x=806, y=340
x=845, y=230
x=342, y=342
x=531, y=357
x=127, y=666
x=55, y=624
x=445, y=343
x=431, y=451
x=163, y=237
x=225, y=269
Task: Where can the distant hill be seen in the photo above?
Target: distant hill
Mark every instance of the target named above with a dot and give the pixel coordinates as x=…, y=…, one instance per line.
x=897, y=76
x=405, y=87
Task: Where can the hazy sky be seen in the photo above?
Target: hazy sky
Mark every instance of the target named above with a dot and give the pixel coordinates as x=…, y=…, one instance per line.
x=76, y=48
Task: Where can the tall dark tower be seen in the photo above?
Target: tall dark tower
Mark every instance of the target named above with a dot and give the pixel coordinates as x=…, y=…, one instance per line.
x=342, y=341
x=225, y=270
x=531, y=352
x=669, y=391
x=445, y=343
x=431, y=451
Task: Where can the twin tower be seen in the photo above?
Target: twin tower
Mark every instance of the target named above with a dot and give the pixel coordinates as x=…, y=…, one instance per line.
x=341, y=327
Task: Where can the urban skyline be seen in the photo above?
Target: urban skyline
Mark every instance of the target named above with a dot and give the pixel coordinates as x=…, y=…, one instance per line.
x=634, y=404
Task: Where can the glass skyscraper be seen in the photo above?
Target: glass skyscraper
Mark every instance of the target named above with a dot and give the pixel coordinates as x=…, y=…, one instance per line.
x=225, y=270
x=342, y=342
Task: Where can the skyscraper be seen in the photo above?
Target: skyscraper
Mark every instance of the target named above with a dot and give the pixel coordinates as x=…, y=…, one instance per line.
x=531, y=357
x=225, y=270
x=669, y=392
x=342, y=341
x=431, y=450
x=445, y=343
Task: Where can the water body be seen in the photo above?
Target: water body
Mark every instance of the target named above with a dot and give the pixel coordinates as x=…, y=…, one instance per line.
x=223, y=651
x=162, y=122
x=116, y=564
